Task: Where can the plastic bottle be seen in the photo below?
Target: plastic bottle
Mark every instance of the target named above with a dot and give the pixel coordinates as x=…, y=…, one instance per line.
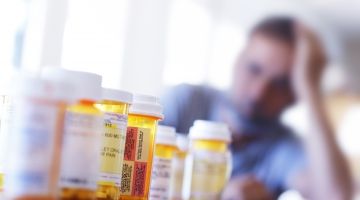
x=35, y=139
x=6, y=110
x=177, y=174
x=80, y=159
x=162, y=164
x=208, y=164
x=144, y=114
x=115, y=106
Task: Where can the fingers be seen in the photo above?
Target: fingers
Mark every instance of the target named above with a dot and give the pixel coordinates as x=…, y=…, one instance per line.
x=310, y=60
x=310, y=39
x=246, y=188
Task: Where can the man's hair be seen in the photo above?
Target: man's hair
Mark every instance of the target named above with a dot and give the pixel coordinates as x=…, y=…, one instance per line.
x=277, y=27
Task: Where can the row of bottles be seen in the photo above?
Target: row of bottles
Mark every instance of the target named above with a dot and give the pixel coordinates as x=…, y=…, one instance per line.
x=63, y=136
x=191, y=168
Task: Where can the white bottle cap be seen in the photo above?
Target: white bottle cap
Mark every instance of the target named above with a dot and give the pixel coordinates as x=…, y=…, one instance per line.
x=117, y=95
x=40, y=88
x=166, y=135
x=85, y=85
x=182, y=142
x=146, y=105
x=207, y=130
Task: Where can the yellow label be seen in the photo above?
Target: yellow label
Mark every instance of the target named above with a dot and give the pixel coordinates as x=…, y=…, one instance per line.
x=112, y=152
x=137, y=148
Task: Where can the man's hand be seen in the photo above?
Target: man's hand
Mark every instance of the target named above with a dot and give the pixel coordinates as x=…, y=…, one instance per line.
x=328, y=169
x=245, y=188
x=310, y=62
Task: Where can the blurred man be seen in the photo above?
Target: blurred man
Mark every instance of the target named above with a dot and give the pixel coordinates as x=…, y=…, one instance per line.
x=282, y=63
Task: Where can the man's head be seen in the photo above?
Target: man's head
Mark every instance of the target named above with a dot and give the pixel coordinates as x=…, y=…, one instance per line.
x=261, y=82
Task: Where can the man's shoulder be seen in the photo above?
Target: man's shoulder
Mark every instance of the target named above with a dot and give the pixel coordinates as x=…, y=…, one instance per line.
x=185, y=103
x=189, y=92
x=194, y=89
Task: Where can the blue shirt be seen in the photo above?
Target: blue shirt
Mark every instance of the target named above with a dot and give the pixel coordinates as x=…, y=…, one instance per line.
x=271, y=153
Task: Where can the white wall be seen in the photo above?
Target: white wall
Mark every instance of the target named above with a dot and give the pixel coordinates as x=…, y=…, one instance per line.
x=145, y=45
x=144, y=54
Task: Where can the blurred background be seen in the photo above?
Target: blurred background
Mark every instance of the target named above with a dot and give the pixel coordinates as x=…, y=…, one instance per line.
x=145, y=46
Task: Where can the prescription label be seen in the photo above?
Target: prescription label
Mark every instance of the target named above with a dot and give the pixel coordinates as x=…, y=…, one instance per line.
x=160, y=179
x=209, y=174
x=32, y=147
x=112, y=150
x=137, y=149
x=79, y=167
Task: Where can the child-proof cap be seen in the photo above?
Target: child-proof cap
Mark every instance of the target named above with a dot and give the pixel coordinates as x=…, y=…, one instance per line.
x=207, y=130
x=117, y=95
x=146, y=105
x=35, y=87
x=85, y=85
x=166, y=135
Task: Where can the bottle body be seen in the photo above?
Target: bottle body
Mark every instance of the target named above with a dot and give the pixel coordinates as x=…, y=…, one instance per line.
x=5, y=113
x=138, y=156
x=207, y=171
x=177, y=174
x=161, y=172
x=112, y=150
x=35, y=142
x=80, y=156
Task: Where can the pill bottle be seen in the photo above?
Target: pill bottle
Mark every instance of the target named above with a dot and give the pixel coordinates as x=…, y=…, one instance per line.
x=115, y=107
x=5, y=113
x=165, y=147
x=80, y=159
x=177, y=173
x=208, y=164
x=35, y=139
x=6, y=109
x=144, y=114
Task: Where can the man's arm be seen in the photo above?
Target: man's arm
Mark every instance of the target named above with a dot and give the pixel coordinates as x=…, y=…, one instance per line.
x=329, y=176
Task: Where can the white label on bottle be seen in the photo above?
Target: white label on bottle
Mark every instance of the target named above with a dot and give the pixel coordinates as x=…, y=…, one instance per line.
x=81, y=147
x=31, y=148
x=208, y=172
x=177, y=177
x=160, y=179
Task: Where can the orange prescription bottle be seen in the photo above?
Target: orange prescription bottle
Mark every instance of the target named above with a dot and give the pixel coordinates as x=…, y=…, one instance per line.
x=80, y=159
x=162, y=163
x=177, y=173
x=208, y=164
x=144, y=114
x=115, y=106
x=35, y=139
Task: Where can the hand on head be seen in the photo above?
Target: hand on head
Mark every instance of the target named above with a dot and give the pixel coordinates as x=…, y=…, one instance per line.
x=310, y=61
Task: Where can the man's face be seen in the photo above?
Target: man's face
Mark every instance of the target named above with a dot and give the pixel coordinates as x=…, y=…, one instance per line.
x=261, y=82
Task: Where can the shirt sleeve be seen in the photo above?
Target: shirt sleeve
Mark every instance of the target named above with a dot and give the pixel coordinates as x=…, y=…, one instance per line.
x=171, y=104
x=287, y=159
